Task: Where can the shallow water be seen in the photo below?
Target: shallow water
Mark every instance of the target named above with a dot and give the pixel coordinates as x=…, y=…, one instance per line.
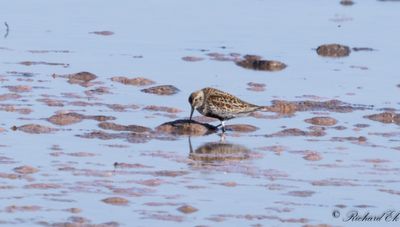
x=253, y=184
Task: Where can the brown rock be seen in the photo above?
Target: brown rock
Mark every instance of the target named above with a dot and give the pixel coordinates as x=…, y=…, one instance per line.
x=312, y=156
x=229, y=184
x=333, y=50
x=186, y=127
x=73, y=118
x=19, y=88
x=256, y=63
x=34, y=129
x=129, y=165
x=43, y=186
x=151, y=182
x=9, y=96
x=187, y=209
x=51, y=102
x=29, y=63
x=99, y=117
x=162, y=109
x=162, y=90
x=192, y=58
x=81, y=78
x=115, y=201
x=283, y=107
x=301, y=193
x=325, y=121
x=296, y=132
x=26, y=170
x=241, y=128
x=170, y=173
x=330, y=105
x=131, y=137
x=385, y=117
x=74, y=210
x=14, y=208
x=138, y=81
x=66, y=119
x=117, y=127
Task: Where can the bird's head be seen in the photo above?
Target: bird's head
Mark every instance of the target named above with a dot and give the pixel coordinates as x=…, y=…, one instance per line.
x=196, y=100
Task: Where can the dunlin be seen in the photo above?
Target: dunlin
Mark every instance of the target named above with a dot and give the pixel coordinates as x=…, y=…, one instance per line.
x=218, y=104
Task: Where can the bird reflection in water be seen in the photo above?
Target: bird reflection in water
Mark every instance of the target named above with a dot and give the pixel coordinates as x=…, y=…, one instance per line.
x=214, y=153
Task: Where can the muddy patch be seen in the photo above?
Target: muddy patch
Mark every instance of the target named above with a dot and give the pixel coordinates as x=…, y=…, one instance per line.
x=325, y=121
x=186, y=127
x=385, y=117
x=161, y=90
x=118, y=127
x=137, y=81
x=192, y=58
x=297, y=132
x=256, y=63
x=333, y=50
x=63, y=119
x=34, y=129
x=289, y=107
x=83, y=79
x=244, y=128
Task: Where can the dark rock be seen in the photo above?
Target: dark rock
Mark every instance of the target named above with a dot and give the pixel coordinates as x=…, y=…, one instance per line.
x=186, y=127
x=333, y=50
x=256, y=63
x=162, y=90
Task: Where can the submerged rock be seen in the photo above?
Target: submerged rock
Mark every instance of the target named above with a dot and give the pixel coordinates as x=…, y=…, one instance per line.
x=137, y=81
x=72, y=118
x=325, y=121
x=333, y=50
x=66, y=119
x=161, y=90
x=289, y=107
x=186, y=127
x=118, y=127
x=187, y=209
x=131, y=137
x=81, y=78
x=385, y=117
x=241, y=128
x=25, y=170
x=297, y=132
x=256, y=63
x=192, y=58
x=116, y=201
x=34, y=129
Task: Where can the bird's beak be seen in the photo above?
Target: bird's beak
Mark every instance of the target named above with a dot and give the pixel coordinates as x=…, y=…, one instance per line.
x=191, y=114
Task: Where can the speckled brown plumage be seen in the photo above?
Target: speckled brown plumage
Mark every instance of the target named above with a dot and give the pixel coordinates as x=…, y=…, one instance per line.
x=218, y=104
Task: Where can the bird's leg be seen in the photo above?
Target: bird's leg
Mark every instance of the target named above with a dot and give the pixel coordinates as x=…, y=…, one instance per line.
x=223, y=126
x=222, y=138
